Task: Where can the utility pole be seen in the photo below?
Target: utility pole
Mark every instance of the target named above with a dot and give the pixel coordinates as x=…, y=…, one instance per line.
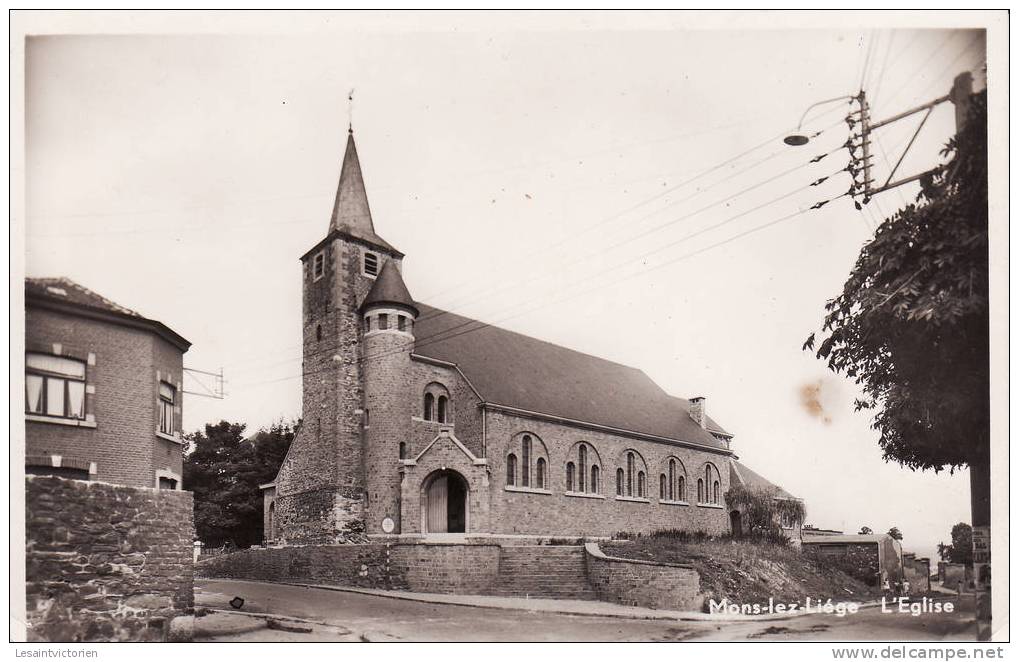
x=979, y=467
x=863, y=191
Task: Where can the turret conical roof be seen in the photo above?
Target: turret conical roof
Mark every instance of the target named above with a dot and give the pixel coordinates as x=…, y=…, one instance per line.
x=389, y=288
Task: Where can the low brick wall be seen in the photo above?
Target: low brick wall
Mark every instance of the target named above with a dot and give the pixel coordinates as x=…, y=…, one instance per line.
x=366, y=566
x=643, y=583
x=448, y=568
x=106, y=562
x=426, y=568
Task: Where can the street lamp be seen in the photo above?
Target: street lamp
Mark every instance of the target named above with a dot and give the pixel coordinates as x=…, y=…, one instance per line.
x=797, y=139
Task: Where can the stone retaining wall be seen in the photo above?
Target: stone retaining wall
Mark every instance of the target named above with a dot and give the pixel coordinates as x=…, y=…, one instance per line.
x=447, y=568
x=643, y=583
x=106, y=562
x=459, y=568
x=426, y=568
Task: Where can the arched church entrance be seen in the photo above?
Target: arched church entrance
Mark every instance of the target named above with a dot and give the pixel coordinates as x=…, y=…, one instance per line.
x=736, y=524
x=445, y=502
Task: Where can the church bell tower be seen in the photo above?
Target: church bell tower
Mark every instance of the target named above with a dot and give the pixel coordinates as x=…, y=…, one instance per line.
x=321, y=490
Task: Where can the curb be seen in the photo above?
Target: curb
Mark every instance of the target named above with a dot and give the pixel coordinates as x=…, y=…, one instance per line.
x=453, y=600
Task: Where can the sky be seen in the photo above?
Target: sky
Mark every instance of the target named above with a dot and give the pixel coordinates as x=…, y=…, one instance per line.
x=621, y=189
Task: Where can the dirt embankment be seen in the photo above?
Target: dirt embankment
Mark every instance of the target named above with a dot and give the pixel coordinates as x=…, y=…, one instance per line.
x=749, y=572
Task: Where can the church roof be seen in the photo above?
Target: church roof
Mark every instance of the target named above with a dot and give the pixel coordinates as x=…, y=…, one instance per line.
x=351, y=213
x=389, y=288
x=521, y=372
x=741, y=474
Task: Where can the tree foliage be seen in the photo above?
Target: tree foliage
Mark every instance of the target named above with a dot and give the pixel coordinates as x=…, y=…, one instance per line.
x=224, y=470
x=961, y=549
x=911, y=323
x=895, y=533
x=761, y=512
x=865, y=531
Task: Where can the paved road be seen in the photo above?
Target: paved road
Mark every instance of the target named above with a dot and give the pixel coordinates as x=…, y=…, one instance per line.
x=353, y=616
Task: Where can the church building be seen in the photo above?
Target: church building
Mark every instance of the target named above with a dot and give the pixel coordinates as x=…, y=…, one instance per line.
x=421, y=423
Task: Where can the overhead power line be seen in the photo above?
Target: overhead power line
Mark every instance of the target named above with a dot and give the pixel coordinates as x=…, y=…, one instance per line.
x=648, y=232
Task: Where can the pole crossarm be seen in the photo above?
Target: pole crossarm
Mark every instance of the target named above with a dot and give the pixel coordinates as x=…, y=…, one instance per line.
x=217, y=390
x=910, y=144
x=907, y=113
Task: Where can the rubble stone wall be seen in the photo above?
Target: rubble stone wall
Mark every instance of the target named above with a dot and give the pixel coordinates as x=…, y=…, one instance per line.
x=106, y=562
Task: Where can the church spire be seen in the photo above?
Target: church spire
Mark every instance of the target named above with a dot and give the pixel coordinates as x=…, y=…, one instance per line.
x=350, y=210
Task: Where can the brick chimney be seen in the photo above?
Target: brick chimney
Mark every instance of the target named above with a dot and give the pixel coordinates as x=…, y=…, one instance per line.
x=697, y=411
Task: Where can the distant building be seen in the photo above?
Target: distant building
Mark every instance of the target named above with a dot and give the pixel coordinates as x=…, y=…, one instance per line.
x=810, y=530
x=871, y=558
x=420, y=422
x=917, y=571
x=102, y=389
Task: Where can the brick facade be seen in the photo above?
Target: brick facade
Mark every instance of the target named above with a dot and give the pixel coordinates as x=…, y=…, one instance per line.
x=106, y=562
x=124, y=365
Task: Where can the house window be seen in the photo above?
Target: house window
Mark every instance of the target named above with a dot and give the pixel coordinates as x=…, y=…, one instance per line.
x=682, y=488
x=641, y=485
x=371, y=264
x=700, y=490
x=569, y=476
x=318, y=266
x=715, y=495
x=442, y=409
x=167, y=483
x=594, y=479
x=511, y=469
x=383, y=322
x=167, y=395
x=661, y=488
x=401, y=322
x=539, y=473
x=672, y=479
x=525, y=476
x=429, y=406
x=619, y=482
x=367, y=324
x=318, y=332
x=403, y=450
x=54, y=386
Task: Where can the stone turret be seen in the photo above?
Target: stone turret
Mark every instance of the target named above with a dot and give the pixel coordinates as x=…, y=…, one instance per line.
x=388, y=315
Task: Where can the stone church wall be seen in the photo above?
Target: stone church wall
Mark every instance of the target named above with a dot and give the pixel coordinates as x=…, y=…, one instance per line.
x=556, y=513
x=106, y=562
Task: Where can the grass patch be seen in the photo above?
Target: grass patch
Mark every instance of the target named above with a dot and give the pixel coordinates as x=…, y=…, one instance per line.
x=745, y=571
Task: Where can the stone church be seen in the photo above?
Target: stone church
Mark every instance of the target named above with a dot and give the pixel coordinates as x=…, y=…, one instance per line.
x=418, y=422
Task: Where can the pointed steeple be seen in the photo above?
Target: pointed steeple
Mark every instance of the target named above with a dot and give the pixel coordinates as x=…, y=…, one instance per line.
x=389, y=289
x=350, y=210
x=351, y=213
